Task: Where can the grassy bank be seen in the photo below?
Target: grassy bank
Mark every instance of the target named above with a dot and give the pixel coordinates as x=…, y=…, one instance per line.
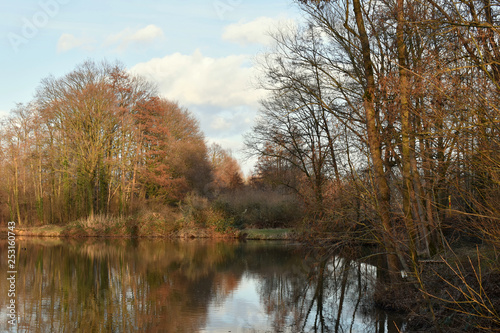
x=249, y=214
x=39, y=231
x=269, y=234
x=124, y=229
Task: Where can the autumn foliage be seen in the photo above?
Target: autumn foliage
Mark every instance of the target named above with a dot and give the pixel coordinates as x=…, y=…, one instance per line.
x=227, y=173
x=97, y=141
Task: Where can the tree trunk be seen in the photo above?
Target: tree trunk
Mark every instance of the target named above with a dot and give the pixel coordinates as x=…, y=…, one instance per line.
x=382, y=188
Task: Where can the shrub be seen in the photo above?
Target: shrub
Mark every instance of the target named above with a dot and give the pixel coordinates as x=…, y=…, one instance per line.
x=194, y=209
x=155, y=221
x=261, y=208
x=97, y=225
x=219, y=221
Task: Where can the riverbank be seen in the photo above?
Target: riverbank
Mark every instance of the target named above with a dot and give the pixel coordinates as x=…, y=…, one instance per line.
x=71, y=231
x=457, y=290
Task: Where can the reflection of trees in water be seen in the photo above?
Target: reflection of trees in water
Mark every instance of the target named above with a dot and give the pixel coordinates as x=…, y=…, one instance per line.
x=162, y=286
x=119, y=286
x=332, y=295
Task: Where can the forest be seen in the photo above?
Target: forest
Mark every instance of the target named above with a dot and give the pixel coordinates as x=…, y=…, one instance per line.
x=384, y=116
x=381, y=126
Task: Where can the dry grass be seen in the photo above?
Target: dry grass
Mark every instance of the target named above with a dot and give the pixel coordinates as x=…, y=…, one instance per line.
x=269, y=234
x=97, y=225
x=41, y=231
x=150, y=221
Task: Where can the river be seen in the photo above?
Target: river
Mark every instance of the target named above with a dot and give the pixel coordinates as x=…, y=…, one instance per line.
x=153, y=285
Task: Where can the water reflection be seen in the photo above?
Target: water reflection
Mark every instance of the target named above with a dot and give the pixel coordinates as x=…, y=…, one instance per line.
x=187, y=286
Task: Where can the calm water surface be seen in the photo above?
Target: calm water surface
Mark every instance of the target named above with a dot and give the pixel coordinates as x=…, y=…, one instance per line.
x=123, y=285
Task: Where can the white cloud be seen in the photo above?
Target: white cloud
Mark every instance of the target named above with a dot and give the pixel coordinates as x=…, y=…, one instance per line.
x=218, y=91
x=126, y=37
x=220, y=123
x=257, y=31
x=199, y=80
x=147, y=34
x=68, y=41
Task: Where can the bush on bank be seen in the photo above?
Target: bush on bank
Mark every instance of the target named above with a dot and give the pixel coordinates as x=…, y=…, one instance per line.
x=196, y=216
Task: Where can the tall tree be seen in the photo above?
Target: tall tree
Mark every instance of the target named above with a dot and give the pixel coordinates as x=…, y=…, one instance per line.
x=94, y=141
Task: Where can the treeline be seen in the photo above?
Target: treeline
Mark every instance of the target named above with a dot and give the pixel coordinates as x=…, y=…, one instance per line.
x=99, y=141
x=386, y=114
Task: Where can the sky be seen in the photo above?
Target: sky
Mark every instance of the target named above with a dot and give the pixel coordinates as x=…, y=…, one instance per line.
x=201, y=54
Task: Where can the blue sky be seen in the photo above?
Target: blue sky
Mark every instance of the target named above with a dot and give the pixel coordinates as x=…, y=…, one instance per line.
x=199, y=53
